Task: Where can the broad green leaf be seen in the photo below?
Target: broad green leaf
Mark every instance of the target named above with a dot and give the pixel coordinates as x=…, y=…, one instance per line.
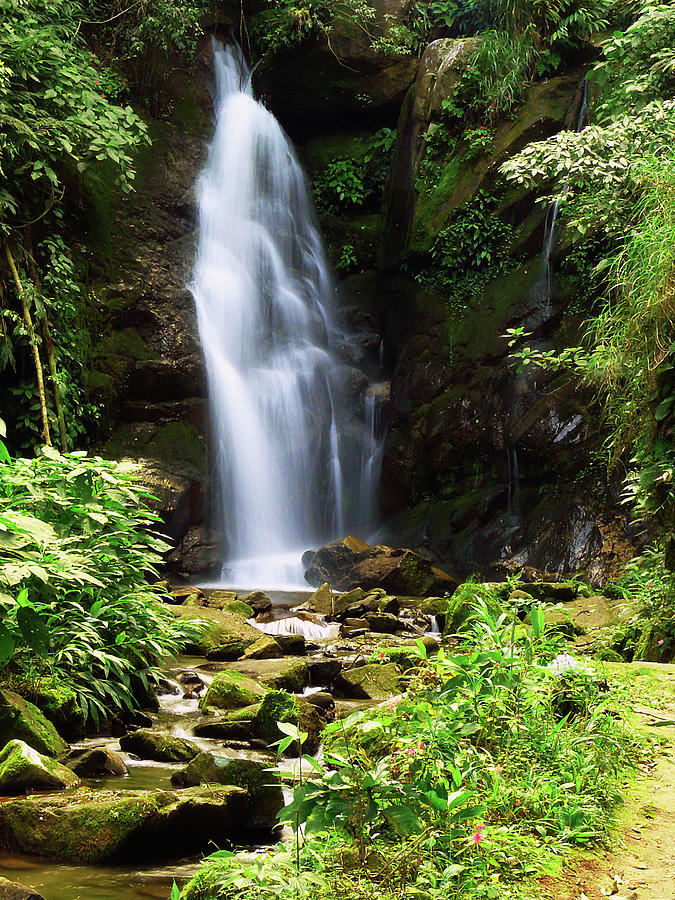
x=7, y=645
x=33, y=630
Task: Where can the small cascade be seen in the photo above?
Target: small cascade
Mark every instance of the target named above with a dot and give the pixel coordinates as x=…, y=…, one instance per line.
x=513, y=474
x=295, y=464
x=371, y=457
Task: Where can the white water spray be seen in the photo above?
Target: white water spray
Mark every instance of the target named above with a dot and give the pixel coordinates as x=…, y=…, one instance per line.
x=288, y=472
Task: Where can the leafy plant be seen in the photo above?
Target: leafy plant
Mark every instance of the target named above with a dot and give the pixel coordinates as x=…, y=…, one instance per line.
x=76, y=552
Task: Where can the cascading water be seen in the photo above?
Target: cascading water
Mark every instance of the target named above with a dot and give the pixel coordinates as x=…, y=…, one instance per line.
x=289, y=475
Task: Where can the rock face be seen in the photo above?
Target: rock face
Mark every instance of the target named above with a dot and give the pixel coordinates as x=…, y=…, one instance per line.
x=160, y=747
x=22, y=720
x=265, y=797
x=23, y=769
x=101, y=826
x=351, y=563
x=11, y=891
x=370, y=682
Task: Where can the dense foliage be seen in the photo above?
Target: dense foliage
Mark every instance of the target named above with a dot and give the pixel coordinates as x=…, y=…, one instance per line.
x=76, y=609
x=497, y=755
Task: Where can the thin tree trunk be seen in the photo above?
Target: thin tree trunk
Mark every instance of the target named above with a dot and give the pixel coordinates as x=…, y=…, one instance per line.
x=36, y=353
x=53, y=374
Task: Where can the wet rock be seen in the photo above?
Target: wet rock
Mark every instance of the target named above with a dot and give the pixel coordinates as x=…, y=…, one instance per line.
x=60, y=705
x=321, y=600
x=278, y=706
x=383, y=623
x=191, y=680
x=23, y=769
x=160, y=747
x=258, y=601
x=131, y=719
x=265, y=796
x=184, y=595
x=552, y=591
x=323, y=671
x=291, y=644
x=226, y=636
x=265, y=647
x=101, y=826
x=232, y=690
x=22, y=720
x=351, y=563
x=370, y=682
x=237, y=725
x=374, y=601
x=97, y=762
x=323, y=700
x=9, y=890
x=293, y=678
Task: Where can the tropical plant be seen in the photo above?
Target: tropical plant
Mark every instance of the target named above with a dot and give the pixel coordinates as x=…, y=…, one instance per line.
x=78, y=548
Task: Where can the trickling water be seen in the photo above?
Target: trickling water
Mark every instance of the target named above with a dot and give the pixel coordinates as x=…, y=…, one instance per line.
x=287, y=475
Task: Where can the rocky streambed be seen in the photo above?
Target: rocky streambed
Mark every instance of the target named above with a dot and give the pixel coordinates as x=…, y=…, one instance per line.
x=123, y=813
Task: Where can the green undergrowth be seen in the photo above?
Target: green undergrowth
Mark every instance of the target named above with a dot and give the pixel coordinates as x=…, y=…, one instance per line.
x=499, y=758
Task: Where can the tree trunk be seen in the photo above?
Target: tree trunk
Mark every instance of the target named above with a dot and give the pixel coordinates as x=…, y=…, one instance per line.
x=36, y=353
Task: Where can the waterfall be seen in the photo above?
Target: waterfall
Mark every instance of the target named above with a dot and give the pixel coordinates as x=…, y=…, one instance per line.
x=287, y=470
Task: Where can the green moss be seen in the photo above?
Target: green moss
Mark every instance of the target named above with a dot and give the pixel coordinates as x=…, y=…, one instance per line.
x=160, y=747
x=292, y=679
x=24, y=721
x=23, y=769
x=279, y=706
x=232, y=690
x=464, y=603
x=60, y=705
x=239, y=608
x=374, y=681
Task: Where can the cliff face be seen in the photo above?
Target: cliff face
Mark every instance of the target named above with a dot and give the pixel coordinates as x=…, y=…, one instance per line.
x=483, y=467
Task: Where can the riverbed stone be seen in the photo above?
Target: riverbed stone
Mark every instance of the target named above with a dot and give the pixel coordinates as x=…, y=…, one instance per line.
x=236, y=725
x=99, y=826
x=291, y=678
x=226, y=637
x=370, y=682
x=262, y=786
x=95, y=762
x=159, y=747
x=232, y=690
x=9, y=890
x=383, y=623
x=291, y=644
x=321, y=601
x=280, y=706
x=258, y=601
x=60, y=705
x=23, y=720
x=265, y=647
x=552, y=591
x=23, y=769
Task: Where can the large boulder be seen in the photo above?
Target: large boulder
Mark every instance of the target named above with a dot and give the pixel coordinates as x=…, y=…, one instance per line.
x=226, y=637
x=374, y=681
x=100, y=826
x=232, y=690
x=22, y=720
x=159, y=747
x=9, y=890
x=95, y=762
x=60, y=705
x=23, y=769
x=263, y=787
x=351, y=563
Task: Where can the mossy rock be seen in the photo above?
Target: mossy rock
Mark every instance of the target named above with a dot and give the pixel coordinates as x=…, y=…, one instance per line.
x=23, y=769
x=237, y=725
x=653, y=645
x=60, y=705
x=559, y=621
x=403, y=657
x=264, y=648
x=263, y=786
x=226, y=636
x=291, y=678
x=22, y=720
x=101, y=826
x=232, y=690
x=426, y=606
x=95, y=762
x=608, y=655
x=9, y=890
x=159, y=747
x=239, y=608
x=279, y=706
x=373, y=681
x=464, y=605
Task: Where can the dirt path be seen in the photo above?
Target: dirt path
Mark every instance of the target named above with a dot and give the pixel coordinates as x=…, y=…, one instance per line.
x=641, y=865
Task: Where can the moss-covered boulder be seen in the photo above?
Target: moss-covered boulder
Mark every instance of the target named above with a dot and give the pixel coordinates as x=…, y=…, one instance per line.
x=226, y=637
x=373, y=681
x=9, y=890
x=100, y=826
x=95, y=762
x=60, y=705
x=292, y=677
x=23, y=769
x=279, y=706
x=159, y=747
x=232, y=690
x=264, y=648
x=236, y=725
x=263, y=786
x=23, y=721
